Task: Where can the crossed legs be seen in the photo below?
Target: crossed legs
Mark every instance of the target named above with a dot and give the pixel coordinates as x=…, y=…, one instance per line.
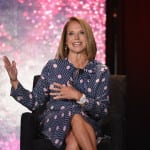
x=82, y=135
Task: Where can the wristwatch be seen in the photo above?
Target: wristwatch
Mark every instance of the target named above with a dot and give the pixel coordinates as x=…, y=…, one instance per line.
x=82, y=100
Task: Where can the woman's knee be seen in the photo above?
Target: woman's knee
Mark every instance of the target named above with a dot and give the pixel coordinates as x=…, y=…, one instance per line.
x=76, y=119
x=72, y=146
x=71, y=143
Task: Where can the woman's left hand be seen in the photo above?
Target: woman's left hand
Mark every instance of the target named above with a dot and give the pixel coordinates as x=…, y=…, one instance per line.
x=61, y=91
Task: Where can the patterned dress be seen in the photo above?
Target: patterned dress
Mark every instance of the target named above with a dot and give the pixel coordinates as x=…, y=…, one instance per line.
x=54, y=122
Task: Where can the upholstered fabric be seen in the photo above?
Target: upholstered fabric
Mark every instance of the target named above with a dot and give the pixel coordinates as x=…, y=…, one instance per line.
x=118, y=93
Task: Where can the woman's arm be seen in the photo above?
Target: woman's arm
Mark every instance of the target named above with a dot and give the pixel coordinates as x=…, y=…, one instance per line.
x=33, y=99
x=38, y=96
x=98, y=107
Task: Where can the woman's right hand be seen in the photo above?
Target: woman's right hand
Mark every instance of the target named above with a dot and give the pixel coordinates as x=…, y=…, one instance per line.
x=11, y=70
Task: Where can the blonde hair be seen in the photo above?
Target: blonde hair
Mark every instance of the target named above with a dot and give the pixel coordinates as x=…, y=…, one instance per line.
x=62, y=51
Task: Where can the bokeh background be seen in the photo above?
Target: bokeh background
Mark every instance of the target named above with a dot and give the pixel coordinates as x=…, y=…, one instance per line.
x=29, y=34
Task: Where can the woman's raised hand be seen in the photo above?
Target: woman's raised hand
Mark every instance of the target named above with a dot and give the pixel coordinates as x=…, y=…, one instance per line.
x=11, y=69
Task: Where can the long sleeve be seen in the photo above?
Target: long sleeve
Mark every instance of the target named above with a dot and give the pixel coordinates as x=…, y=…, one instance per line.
x=97, y=107
x=37, y=97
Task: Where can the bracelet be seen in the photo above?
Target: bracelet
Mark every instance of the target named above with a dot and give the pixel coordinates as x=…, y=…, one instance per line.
x=13, y=80
x=82, y=100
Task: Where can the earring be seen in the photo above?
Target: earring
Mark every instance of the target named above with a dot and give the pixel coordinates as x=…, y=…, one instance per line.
x=65, y=48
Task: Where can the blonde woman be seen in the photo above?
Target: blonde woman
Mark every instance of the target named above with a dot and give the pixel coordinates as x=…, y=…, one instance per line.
x=75, y=87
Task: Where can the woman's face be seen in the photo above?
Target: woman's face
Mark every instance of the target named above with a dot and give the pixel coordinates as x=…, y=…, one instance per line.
x=75, y=38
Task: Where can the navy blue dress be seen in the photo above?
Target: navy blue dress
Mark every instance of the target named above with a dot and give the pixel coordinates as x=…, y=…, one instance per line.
x=93, y=81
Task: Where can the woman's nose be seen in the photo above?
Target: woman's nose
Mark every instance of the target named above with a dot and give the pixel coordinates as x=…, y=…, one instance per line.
x=76, y=36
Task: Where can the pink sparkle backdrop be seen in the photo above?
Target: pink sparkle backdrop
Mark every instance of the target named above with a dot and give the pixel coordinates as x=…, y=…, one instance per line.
x=29, y=33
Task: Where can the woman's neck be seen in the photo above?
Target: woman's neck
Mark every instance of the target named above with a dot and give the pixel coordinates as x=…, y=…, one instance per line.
x=78, y=60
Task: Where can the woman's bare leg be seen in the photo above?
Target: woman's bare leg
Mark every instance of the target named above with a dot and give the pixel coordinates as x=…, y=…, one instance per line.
x=91, y=133
x=71, y=142
x=83, y=132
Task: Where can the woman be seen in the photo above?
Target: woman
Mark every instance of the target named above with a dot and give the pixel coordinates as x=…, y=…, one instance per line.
x=75, y=87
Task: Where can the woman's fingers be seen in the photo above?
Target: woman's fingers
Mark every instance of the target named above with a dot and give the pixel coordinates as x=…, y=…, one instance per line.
x=13, y=63
x=8, y=64
x=6, y=61
x=58, y=90
x=58, y=85
x=61, y=91
x=56, y=95
x=11, y=68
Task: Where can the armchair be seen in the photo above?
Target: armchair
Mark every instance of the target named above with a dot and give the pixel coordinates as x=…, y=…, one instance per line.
x=113, y=126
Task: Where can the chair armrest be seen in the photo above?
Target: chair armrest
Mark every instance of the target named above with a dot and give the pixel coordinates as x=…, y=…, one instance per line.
x=28, y=131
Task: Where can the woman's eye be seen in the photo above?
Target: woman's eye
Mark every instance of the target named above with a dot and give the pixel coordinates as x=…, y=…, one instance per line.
x=79, y=33
x=82, y=32
x=70, y=33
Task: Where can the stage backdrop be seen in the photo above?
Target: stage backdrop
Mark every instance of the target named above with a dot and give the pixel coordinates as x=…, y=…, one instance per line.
x=29, y=34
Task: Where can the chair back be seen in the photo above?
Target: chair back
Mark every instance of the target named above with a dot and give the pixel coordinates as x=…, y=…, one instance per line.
x=118, y=93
